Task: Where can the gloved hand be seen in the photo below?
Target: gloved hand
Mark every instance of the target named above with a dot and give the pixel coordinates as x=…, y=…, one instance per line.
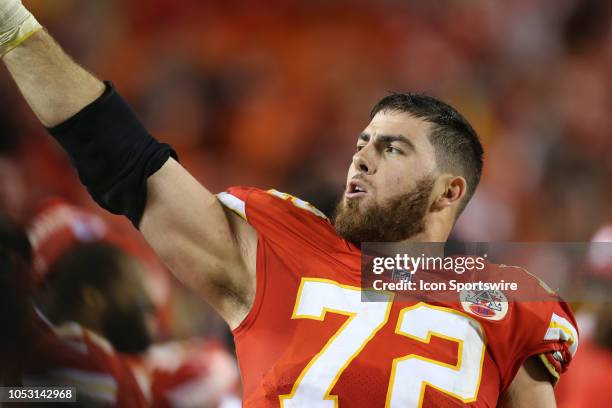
x=16, y=25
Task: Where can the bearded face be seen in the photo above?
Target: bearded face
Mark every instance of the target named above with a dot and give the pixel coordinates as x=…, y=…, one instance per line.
x=399, y=218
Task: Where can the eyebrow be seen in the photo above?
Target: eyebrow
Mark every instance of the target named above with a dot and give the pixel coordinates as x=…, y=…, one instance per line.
x=388, y=139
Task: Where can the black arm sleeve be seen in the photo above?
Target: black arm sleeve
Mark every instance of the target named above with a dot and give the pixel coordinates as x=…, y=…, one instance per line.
x=113, y=153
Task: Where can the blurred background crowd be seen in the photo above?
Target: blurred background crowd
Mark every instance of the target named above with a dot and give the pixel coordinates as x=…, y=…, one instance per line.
x=273, y=93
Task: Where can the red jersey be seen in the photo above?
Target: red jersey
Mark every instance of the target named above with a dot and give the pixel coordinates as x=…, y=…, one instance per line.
x=192, y=373
x=195, y=373
x=70, y=355
x=310, y=341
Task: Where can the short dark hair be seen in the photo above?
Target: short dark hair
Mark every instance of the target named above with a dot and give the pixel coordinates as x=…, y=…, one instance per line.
x=95, y=264
x=457, y=146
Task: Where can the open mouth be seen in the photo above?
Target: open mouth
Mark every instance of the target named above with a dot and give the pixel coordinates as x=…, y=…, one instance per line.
x=355, y=189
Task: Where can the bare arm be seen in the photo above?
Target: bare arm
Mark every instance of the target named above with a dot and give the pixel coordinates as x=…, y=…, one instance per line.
x=530, y=388
x=54, y=86
x=208, y=248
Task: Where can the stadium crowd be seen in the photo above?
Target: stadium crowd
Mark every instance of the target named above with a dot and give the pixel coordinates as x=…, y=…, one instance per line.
x=272, y=94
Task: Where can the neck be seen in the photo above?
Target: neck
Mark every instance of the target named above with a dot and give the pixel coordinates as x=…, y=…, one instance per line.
x=437, y=229
x=91, y=323
x=82, y=317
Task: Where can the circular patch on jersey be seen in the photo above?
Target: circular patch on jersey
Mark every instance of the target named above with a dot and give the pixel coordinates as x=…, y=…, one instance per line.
x=488, y=304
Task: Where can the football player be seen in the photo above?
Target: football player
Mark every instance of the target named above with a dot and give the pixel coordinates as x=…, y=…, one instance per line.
x=36, y=353
x=285, y=279
x=88, y=277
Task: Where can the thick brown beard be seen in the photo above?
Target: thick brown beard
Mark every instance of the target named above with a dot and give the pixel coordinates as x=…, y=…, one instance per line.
x=400, y=219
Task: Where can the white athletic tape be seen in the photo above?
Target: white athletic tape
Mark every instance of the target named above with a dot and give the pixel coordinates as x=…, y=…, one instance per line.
x=16, y=24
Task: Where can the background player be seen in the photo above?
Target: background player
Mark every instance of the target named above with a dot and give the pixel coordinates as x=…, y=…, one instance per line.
x=34, y=353
x=86, y=276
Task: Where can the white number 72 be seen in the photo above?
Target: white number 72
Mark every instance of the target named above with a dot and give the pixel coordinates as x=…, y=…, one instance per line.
x=410, y=374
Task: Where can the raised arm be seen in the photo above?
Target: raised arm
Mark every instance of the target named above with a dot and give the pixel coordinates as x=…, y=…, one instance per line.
x=205, y=246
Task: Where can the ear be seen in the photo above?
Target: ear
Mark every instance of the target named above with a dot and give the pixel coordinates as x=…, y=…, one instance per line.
x=93, y=299
x=452, y=190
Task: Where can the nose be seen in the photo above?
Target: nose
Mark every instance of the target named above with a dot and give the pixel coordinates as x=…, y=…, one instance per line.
x=363, y=160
